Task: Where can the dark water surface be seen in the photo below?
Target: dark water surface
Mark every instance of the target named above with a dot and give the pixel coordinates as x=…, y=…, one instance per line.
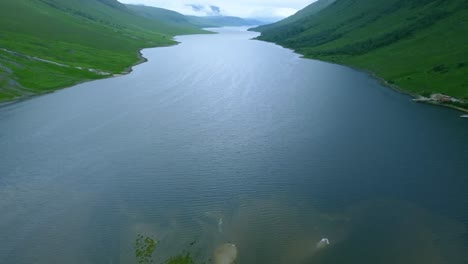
x=225, y=139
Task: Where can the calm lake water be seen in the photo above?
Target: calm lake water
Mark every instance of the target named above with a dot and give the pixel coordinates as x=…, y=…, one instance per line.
x=226, y=139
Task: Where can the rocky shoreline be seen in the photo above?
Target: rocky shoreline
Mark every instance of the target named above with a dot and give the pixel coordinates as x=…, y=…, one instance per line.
x=444, y=100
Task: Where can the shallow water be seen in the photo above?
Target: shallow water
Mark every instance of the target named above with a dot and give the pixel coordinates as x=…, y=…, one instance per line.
x=223, y=139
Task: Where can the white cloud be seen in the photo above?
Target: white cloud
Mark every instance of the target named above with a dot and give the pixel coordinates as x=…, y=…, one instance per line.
x=241, y=8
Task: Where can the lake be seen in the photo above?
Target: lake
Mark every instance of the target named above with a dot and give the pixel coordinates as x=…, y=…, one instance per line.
x=224, y=139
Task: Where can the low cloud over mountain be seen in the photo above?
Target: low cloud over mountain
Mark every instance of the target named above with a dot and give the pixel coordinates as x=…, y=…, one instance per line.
x=205, y=10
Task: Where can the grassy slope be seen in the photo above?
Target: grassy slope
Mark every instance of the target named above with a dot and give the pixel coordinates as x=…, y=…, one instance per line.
x=310, y=10
x=419, y=45
x=82, y=34
x=169, y=17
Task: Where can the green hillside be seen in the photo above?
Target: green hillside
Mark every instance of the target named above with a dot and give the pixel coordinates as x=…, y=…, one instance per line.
x=418, y=45
x=167, y=16
x=311, y=9
x=49, y=44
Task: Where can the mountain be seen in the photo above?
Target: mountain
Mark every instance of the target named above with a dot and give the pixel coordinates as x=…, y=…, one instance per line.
x=174, y=18
x=159, y=14
x=48, y=44
x=416, y=45
x=222, y=21
x=312, y=9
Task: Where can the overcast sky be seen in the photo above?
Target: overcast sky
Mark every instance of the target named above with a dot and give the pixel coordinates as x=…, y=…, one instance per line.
x=241, y=8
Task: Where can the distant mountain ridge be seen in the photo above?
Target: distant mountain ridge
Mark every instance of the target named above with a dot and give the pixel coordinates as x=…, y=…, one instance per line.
x=418, y=45
x=194, y=21
x=223, y=21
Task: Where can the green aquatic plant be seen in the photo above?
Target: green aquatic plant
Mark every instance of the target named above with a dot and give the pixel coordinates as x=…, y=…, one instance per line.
x=144, y=248
x=181, y=259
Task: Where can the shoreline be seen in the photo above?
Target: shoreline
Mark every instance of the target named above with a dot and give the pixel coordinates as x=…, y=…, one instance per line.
x=127, y=70
x=382, y=81
x=385, y=83
x=394, y=87
x=402, y=91
x=142, y=59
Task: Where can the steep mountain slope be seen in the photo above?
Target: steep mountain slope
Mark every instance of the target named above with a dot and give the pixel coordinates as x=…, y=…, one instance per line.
x=48, y=44
x=159, y=14
x=310, y=10
x=418, y=45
